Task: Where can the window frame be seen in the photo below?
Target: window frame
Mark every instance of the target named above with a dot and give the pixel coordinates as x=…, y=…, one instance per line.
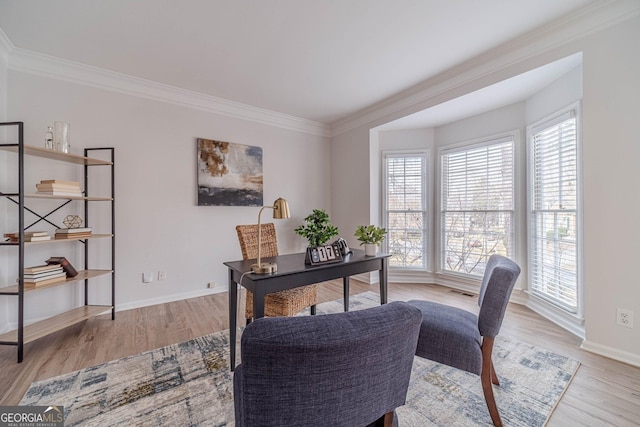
x=535, y=127
x=426, y=199
x=514, y=137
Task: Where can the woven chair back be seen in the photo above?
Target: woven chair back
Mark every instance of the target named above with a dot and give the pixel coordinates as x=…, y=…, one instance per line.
x=248, y=237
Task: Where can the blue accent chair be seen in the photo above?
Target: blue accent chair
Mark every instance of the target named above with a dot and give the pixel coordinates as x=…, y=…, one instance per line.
x=458, y=338
x=345, y=369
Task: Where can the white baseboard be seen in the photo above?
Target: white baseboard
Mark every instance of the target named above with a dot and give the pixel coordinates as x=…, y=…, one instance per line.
x=611, y=353
x=558, y=316
x=170, y=298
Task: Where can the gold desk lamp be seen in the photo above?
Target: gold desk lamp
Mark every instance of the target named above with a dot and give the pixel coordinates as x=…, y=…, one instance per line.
x=280, y=211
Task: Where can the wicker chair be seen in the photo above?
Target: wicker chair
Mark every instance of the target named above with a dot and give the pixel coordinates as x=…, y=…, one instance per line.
x=284, y=303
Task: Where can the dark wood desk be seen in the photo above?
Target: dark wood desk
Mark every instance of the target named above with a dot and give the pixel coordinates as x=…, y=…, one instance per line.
x=293, y=273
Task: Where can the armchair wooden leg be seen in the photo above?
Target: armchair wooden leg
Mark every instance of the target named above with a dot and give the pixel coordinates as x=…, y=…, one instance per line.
x=486, y=378
x=385, y=421
x=494, y=376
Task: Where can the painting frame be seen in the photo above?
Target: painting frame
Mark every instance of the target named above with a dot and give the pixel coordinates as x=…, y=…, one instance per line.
x=228, y=174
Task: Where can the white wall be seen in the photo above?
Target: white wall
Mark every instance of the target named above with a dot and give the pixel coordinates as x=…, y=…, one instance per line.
x=611, y=151
x=159, y=226
x=556, y=96
x=350, y=183
x=611, y=154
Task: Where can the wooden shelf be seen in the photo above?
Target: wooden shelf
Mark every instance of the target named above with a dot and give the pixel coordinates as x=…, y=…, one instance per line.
x=82, y=275
x=93, y=236
x=56, y=155
x=49, y=196
x=53, y=324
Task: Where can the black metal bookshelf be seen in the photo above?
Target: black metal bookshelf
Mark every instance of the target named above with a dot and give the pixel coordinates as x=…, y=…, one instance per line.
x=24, y=334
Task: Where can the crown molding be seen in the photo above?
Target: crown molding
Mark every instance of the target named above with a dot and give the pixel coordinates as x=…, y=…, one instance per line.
x=27, y=61
x=478, y=72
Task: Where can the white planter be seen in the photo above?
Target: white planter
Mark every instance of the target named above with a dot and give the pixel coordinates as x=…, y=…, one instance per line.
x=370, y=249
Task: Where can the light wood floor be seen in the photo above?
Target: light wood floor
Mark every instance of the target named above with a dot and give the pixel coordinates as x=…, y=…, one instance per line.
x=603, y=392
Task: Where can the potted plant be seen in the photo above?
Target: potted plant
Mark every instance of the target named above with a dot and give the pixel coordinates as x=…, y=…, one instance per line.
x=370, y=236
x=317, y=228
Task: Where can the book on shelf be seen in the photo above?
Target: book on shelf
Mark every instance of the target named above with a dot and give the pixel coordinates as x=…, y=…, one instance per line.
x=33, y=236
x=40, y=268
x=59, y=181
x=44, y=276
x=73, y=187
x=36, y=277
x=28, y=234
x=73, y=230
x=69, y=236
x=61, y=193
x=36, y=233
x=37, y=238
x=61, y=278
x=65, y=264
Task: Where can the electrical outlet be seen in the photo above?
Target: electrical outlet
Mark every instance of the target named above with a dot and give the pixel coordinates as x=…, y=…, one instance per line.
x=162, y=275
x=624, y=317
x=211, y=285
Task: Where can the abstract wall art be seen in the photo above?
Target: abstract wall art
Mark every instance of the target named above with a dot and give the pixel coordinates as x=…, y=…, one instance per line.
x=229, y=174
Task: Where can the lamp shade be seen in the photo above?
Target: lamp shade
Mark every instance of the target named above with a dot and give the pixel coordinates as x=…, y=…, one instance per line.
x=281, y=209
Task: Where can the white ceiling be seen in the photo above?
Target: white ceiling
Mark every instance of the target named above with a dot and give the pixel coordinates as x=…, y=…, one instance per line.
x=320, y=60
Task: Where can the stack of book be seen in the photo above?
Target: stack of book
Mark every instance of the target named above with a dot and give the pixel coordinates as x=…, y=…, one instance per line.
x=56, y=187
x=73, y=233
x=43, y=275
x=29, y=236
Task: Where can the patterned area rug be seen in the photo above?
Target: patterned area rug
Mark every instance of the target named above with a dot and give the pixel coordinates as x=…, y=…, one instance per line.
x=190, y=384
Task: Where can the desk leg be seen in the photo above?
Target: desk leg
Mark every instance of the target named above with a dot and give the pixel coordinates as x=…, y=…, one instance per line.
x=233, y=314
x=258, y=302
x=383, y=281
x=345, y=292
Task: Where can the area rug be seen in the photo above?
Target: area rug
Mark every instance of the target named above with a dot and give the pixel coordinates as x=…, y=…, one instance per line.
x=190, y=384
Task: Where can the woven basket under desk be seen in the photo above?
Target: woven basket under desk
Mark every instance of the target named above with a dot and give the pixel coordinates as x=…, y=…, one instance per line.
x=284, y=303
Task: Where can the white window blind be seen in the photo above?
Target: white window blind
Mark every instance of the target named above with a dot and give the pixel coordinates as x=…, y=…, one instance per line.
x=553, y=219
x=405, y=210
x=477, y=216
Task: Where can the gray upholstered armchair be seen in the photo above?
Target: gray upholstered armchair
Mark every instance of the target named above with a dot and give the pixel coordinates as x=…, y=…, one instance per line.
x=345, y=369
x=463, y=340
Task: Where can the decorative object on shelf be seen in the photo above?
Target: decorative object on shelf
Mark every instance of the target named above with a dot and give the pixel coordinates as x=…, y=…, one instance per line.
x=280, y=211
x=229, y=174
x=56, y=187
x=318, y=230
x=61, y=136
x=64, y=263
x=48, y=139
x=370, y=236
x=72, y=221
x=342, y=245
